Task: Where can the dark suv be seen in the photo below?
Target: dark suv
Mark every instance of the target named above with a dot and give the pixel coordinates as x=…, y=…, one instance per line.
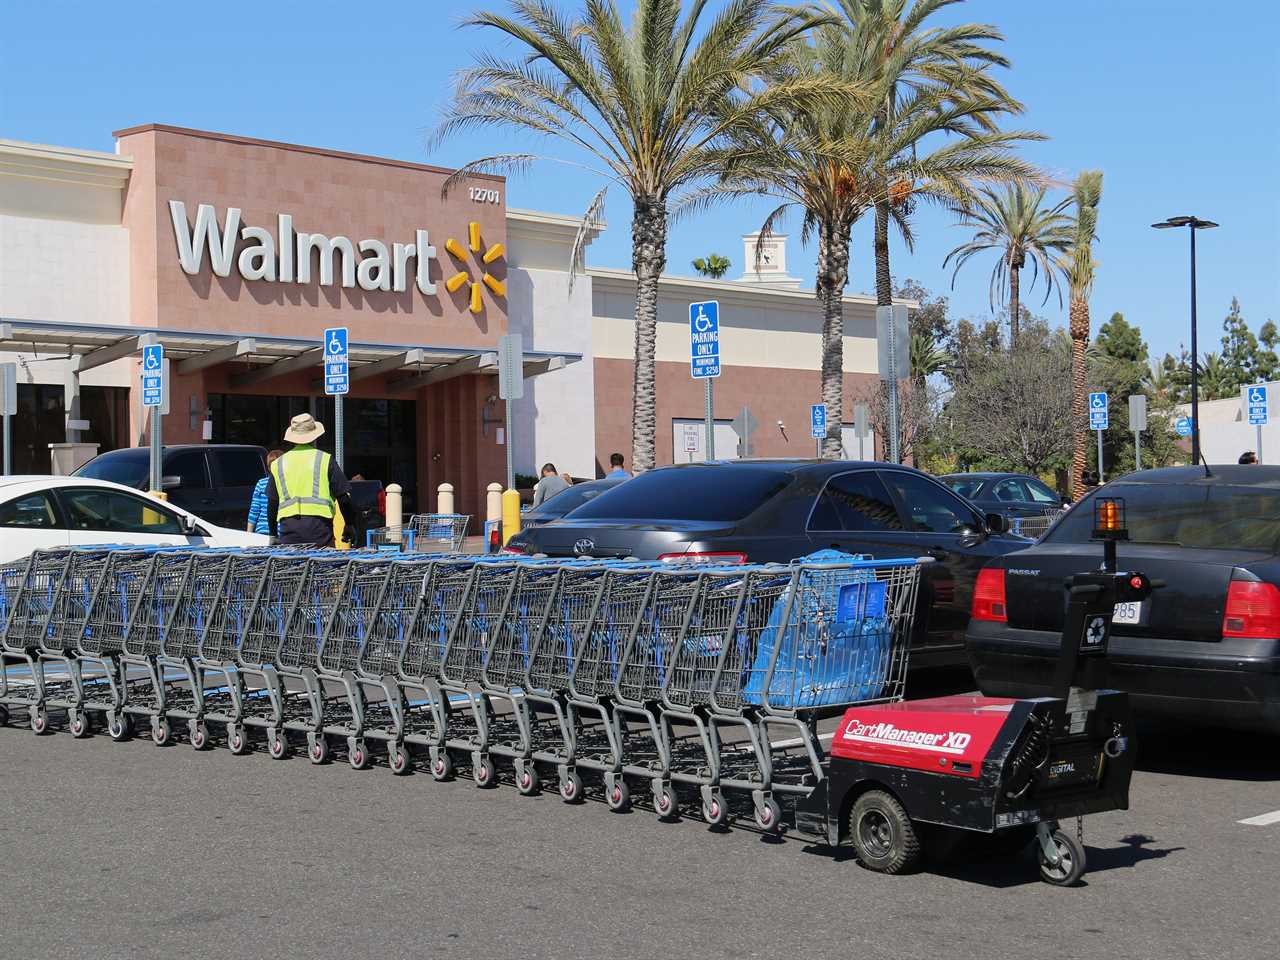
x=213, y=481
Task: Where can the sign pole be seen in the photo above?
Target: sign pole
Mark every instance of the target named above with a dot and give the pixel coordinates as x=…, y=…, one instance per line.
x=511, y=460
x=1137, y=449
x=709, y=416
x=157, y=450
x=1099, y=457
x=9, y=402
x=8, y=447
x=6, y=427
x=510, y=387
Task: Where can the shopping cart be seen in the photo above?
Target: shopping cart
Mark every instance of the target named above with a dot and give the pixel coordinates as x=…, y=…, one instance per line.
x=438, y=532
x=1035, y=527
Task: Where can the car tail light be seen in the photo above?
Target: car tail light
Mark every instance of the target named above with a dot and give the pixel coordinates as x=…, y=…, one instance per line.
x=1253, y=610
x=705, y=556
x=989, y=597
x=495, y=539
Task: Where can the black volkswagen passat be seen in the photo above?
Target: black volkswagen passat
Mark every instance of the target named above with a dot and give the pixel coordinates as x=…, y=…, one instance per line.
x=1204, y=646
x=777, y=510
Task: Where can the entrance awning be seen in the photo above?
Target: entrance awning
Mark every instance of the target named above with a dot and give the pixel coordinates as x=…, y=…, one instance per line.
x=407, y=366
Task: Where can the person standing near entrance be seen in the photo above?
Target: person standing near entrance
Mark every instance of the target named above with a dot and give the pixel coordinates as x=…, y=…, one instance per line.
x=616, y=462
x=258, y=506
x=308, y=488
x=550, y=484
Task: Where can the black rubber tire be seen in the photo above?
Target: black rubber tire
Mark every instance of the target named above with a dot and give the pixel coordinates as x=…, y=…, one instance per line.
x=571, y=787
x=237, y=741
x=528, y=782
x=883, y=836
x=359, y=757
x=769, y=819
x=1068, y=873
x=79, y=725
x=118, y=728
x=442, y=767
x=618, y=796
x=485, y=774
x=400, y=761
x=715, y=812
x=277, y=746
x=39, y=721
x=161, y=733
x=318, y=751
x=666, y=803
x=200, y=737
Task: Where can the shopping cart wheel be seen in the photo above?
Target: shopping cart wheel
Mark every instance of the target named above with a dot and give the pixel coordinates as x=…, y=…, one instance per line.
x=527, y=780
x=618, y=796
x=199, y=735
x=160, y=732
x=277, y=746
x=714, y=811
x=571, y=787
x=665, y=802
x=39, y=719
x=483, y=772
x=79, y=725
x=769, y=816
x=401, y=762
x=358, y=755
x=237, y=742
x=883, y=836
x=441, y=766
x=120, y=727
x=318, y=750
x=1071, y=860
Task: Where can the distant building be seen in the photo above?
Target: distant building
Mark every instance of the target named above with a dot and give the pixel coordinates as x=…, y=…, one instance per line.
x=1225, y=431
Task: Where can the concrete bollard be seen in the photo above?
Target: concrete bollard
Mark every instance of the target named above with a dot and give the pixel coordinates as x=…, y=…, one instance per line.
x=493, y=502
x=444, y=498
x=395, y=512
x=510, y=515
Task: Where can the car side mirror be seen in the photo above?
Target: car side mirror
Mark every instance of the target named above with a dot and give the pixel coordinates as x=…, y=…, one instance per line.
x=170, y=482
x=996, y=523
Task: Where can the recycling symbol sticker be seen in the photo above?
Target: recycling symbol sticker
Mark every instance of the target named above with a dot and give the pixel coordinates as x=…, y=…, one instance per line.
x=1095, y=633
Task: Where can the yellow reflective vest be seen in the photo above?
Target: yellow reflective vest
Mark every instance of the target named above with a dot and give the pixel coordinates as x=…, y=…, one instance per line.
x=302, y=482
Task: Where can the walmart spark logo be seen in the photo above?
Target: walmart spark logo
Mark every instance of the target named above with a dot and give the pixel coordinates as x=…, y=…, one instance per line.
x=454, y=283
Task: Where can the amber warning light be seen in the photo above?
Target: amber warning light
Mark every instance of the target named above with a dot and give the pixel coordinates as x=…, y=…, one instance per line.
x=1108, y=519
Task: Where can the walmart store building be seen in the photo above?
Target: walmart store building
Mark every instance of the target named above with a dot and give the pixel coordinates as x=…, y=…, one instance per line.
x=236, y=254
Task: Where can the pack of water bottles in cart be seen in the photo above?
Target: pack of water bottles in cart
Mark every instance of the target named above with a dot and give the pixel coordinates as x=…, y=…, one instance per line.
x=604, y=675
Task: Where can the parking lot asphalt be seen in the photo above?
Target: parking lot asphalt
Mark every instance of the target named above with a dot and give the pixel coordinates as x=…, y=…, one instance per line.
x=128, y=850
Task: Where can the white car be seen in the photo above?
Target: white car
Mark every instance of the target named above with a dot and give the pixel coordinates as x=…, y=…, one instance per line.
x=42, y=512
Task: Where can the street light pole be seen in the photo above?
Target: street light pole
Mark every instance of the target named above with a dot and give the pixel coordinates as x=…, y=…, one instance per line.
x=1194, y=223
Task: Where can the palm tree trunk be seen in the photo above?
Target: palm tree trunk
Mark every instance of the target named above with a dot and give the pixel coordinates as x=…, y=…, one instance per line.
x=1015, y=307
x=1079, y=325
x=884, y=279
x=648, y=260
x=833, y=275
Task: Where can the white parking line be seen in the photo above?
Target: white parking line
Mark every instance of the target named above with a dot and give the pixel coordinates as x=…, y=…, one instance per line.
x=797, y=742
x=1262, y=820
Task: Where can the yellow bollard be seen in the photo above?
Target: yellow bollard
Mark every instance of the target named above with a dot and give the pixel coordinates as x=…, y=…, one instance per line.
x=340, y=525
x=154, y=518
x=510, y=515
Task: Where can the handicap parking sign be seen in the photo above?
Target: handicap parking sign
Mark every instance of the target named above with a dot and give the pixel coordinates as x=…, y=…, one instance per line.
x=153, y=375
x=704, y=339
x=1182, y=426
x=1256, y=405
x=337, y=372
x=1099, y=416
x=818, y=421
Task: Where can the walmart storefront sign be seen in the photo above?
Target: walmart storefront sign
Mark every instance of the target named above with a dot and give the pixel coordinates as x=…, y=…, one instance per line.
x=286, y=257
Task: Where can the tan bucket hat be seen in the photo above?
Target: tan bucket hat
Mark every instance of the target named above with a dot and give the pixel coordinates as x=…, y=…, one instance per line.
x=304, y=428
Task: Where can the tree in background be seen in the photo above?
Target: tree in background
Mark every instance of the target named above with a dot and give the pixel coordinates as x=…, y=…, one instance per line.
x=926, y=358
x=1119, y=364
x=1078, y=267
x=712, y=265
x=918, y=407
x=930, y=317
x=648, y=104
x=1018, y=223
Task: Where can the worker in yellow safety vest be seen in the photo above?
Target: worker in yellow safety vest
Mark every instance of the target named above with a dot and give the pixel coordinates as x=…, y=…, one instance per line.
x=307, y=489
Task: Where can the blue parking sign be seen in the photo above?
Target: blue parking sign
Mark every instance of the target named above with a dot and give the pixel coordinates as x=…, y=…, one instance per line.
x=337, y=371
x=1256, y=404
x=1182, y=426
x=704, y=339
x=1099, y=414
x=818, y=421
x=153, y=375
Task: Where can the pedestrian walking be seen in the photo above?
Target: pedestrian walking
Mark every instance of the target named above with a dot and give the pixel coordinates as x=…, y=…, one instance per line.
x=616, y=462
x=550, y=484
x=308, y=490
x=1248, y=457
x=258, y=505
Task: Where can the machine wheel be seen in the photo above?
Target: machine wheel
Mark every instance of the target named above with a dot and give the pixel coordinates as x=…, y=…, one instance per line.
x=237, y=742
x=618, y=796
x=160, y=732
x=527, y=780
x=442, y=767
x=79, y=725
x=318, y=750
x=1071, y=864
x=401, y=762
x=666, y=803
x=358, y=756
x=39, y=719
x=199, y=735
x=883, y=836
x=715, y=812
x=769, y=816
x=571, y=787
x=119, y=727
x=277, y=746
x=484, y=773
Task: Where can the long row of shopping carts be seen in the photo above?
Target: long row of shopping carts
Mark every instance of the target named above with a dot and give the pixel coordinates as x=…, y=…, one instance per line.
x=711, y=678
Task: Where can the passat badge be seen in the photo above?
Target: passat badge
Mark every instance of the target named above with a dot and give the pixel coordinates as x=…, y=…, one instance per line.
x=583, y=546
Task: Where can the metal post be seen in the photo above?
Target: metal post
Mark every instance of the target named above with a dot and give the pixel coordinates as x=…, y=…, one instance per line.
x=511, y=461
x=339, y=432
x=1137, y=449
x=1099, y=457
x=1195, y=361
x=894, y=452
x=862, y=447
x=6, y=426
x=710, y=418
x=8, y=446
x=157, y=450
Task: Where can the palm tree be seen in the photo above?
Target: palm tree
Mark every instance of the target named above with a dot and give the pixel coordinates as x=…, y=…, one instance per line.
x=1215, y=377
x=1077, y=265
x=712, y=265
x=927, y=358
x=1016, y=222
x=644, y=106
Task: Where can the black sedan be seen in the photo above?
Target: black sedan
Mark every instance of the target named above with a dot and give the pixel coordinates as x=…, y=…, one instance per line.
x=566, y=500
x=762, y=510
x=1205, y=646
x=1010, y=494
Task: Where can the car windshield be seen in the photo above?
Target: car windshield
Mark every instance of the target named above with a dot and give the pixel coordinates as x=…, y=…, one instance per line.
x=1200, y=516
x=128, y=467
x=708, y=493
x=572, y=498
x=965, y=486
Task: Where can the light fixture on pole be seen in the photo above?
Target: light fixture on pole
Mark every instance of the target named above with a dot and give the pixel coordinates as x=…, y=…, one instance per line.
x=1194, y=223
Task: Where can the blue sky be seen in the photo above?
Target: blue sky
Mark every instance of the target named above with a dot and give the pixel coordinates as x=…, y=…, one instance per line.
x=1176, y=101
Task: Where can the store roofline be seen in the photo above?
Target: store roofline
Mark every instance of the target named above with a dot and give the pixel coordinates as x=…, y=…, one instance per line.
x=625, y=279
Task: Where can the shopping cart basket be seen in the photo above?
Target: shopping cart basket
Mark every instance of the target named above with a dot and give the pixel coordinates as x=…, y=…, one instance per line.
x=438, y=532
